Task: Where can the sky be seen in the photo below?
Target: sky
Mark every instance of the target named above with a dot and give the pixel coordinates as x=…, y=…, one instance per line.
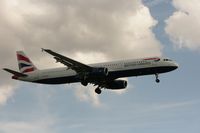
x=96, y=31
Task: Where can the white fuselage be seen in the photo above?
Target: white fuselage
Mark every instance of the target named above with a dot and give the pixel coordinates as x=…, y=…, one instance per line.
x=117, y=69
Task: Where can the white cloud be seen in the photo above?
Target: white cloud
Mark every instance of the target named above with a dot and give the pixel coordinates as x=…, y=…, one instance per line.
x=42, y=126
x=91, y=57
x=87, y=94
x=153, y=3
x=6, y=91
x=183, y=25
x=91, y=28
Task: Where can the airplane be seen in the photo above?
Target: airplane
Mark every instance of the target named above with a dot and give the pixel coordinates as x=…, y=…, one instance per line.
x=102, y=75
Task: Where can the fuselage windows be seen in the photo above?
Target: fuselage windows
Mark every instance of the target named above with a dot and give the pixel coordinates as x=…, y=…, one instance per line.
x=167, y=60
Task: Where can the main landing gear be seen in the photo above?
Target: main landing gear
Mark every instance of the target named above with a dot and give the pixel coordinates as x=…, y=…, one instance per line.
x=98, y=90
x=84, y=83
x=157, y=80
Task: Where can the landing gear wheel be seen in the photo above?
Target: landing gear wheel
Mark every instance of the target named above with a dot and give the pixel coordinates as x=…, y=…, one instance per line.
x=98, y=90
x=157, y=80
x=84, y=83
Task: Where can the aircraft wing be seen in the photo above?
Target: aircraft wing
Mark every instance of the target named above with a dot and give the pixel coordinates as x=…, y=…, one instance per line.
x=70, y=63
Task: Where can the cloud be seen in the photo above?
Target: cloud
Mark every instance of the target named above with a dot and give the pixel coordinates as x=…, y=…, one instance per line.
x=90, y=30
x=87, y=94
x=183, y=25
x=73, y=26
x=6, y=91
x=25, y=126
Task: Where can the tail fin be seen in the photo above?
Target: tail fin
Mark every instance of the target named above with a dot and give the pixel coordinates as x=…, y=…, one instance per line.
x=25, y=64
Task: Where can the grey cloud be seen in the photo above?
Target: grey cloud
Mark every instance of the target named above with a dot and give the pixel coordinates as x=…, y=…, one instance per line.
x=115, y=29
x=80, y=25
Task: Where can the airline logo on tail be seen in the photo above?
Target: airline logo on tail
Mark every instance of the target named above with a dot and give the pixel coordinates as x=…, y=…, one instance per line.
x=25, y=64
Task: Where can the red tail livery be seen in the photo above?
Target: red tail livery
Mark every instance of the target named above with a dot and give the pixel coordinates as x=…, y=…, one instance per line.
x=25, y=64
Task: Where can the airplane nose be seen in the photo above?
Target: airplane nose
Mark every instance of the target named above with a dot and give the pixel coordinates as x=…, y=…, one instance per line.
x=176, y=65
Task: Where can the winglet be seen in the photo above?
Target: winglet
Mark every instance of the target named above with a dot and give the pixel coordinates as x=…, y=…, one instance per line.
x=47, y=50
x=43, y=49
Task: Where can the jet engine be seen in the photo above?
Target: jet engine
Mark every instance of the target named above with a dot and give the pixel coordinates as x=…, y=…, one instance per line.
x=95, y=74
x=117, y=84
x=100, y=72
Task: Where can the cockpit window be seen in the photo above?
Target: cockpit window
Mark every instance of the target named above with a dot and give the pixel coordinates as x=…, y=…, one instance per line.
x=167, y=60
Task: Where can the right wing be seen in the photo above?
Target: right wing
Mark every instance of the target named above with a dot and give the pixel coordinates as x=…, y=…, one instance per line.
x=70, y=63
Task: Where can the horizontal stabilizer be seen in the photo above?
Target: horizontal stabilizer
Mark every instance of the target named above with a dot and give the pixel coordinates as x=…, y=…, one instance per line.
x=18, y=74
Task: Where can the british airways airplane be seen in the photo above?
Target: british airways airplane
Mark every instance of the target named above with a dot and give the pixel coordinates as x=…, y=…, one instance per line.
x=102, y=75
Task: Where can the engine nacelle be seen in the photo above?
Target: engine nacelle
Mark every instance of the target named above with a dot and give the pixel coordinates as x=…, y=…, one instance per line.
x=98, y=73
x=117, y=84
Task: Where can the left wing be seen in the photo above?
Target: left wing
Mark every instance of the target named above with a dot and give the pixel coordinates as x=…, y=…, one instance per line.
x=70, y=63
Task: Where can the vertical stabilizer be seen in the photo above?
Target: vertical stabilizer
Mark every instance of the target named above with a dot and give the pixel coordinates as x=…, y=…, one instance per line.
x=25, y=64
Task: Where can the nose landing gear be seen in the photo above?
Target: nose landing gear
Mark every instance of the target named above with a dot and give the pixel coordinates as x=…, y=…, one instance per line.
x=157, y=79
